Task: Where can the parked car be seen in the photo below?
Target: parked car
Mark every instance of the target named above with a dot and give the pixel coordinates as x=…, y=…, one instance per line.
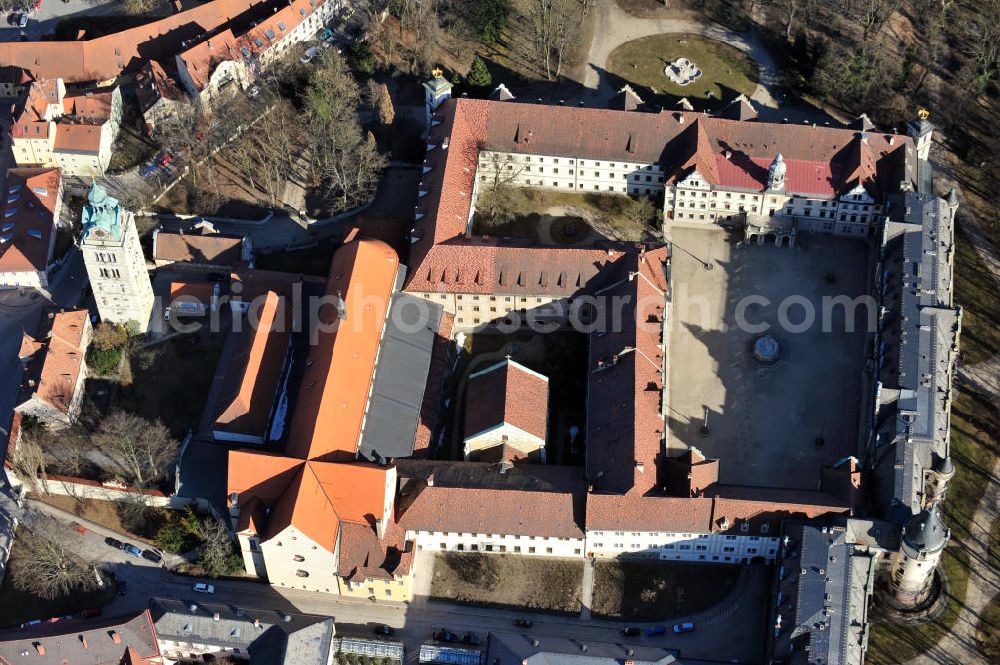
x=122, y=587
x=253, y=91
x=310, y=53
x=129, y=548
x=654, y=631
x=201, y=587
x=384, y=630
x=523, y=623
x=683, y=627
x=471, y=638
x=113, y=542
x=166, y=313
x=152, y=555
x=33, y=622
x=148, y=170
x=630, y=631
x=444, y=635
x=164, y=159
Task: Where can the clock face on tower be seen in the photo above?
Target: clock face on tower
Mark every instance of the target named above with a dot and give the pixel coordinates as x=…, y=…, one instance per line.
x=100, y=234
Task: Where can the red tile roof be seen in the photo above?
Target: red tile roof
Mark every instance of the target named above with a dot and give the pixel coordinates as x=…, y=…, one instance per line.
x=489, y=511
x=648, y=513
x=625, y=421
x=507, y=393
x=81, y=139
x=822, y=161
x=200, y=292
x=28, y=222
x=105, y=58
x=252, y=378
x=214, y=249
x=57, y=370
x=202, y=58
x=437, y=374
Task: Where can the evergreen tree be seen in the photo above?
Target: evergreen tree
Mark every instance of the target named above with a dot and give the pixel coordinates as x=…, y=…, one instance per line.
x=479, y=76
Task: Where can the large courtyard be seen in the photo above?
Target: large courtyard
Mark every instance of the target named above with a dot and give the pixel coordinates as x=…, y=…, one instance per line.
x=771, y=425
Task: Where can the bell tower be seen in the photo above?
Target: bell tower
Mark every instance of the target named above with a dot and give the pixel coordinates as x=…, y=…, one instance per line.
x=436, y=91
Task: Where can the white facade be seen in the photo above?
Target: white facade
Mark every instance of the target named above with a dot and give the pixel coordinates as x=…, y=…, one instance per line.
x=118, y=276
x=295, y=561
x=571, y=174
x=440, y=541
x=675, y=546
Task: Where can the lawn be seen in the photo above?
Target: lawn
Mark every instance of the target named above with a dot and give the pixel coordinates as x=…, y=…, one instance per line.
x=603, y=214
x=17, y=606
x=891, y=643
x=170, y=381
x=988, y=632
x=725, y=70
x=501, y=580
x=659, y=590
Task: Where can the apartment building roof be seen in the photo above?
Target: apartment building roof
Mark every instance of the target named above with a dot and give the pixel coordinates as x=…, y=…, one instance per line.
x=120, y=639
x=635, y=512
x=254, y=372
x=625, y=420
x=201, y=59
x=78, y=139
x=519, y=649
x=211, y=249
x=28, y=222
x=105, y=58
x=93, y=106
x=333, y=394
x=507, y=393
x=152, y=83
x=197, y=291
x=55, y=369
x=495, y=511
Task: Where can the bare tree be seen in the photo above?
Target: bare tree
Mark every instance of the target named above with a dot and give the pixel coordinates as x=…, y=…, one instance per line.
x=555, y=25
x=502, y=171
x=45, y=565
x=28, y=459
x=144, y=450
x=874, y=15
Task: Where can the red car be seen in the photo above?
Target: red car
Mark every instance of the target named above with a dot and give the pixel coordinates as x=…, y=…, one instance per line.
x=164, y=159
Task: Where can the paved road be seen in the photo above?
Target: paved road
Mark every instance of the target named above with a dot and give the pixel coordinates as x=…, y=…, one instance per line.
x=727, y=631
x=43, y=21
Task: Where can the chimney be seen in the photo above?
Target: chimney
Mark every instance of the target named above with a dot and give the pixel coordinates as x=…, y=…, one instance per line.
x=430, y=480
x=729, y=154
x=115, y=637
x=83, y=641
x=39, y=647
x=215, y=616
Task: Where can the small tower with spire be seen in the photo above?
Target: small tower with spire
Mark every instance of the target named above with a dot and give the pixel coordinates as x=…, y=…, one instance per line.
x=436, y=91
x=922, y=132
x=115, y=265
x=776, y=174
x=924, y=538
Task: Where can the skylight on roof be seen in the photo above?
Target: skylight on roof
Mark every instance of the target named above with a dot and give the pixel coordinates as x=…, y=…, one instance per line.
x=6, y=237
x=9, y=226
x=10, y=212
x=43, y=191
x=13, y=197
x=270, y=34
x=14, y=189
x=259, y=42
x=35, y=233
x=235, y=632
x=281, y=26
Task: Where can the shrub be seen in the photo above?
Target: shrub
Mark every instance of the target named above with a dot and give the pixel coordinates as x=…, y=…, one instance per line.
x=103, y=361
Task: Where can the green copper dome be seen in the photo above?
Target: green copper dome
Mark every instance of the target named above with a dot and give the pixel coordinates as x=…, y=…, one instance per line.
x=102, y=213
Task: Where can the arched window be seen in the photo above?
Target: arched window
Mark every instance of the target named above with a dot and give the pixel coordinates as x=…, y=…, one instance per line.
x=302, y=573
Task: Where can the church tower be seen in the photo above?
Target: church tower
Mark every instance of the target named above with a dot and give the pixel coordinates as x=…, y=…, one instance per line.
x=436, y=91
x=115, y=265
x=922, y=133
x=924, y=538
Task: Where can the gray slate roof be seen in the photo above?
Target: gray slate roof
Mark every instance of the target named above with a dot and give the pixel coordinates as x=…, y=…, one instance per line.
x=404, y=359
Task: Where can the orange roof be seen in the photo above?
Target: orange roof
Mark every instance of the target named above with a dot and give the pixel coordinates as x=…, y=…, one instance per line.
x=28, y=221
x=252, y=377
x=90, y=106
x=78, y=138
x=262, y=475
x=510, y=393
x=357, y=491
x=326, y=423
x=202, y=292
x=63, y=359
x=305, y=506
x=29, y=346
x=213, y=248
x=202, y=58
x=105, y=57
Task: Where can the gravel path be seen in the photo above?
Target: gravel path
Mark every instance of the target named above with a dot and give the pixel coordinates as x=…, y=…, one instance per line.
x=616, y=27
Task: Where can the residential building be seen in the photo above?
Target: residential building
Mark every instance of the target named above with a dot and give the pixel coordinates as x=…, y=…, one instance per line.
x=158, y=95
x=208, y=631
x=31, y=208
x=506, y=413
x=74, y=131
x=128, y=639
x=55, y=368
x=12, y=81
x=204, y=252
x=114, y=260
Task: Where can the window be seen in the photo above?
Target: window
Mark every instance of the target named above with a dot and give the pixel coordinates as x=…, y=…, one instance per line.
x=302, y=573
x=531, y=550
x=298, y=557
x=548, y=550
